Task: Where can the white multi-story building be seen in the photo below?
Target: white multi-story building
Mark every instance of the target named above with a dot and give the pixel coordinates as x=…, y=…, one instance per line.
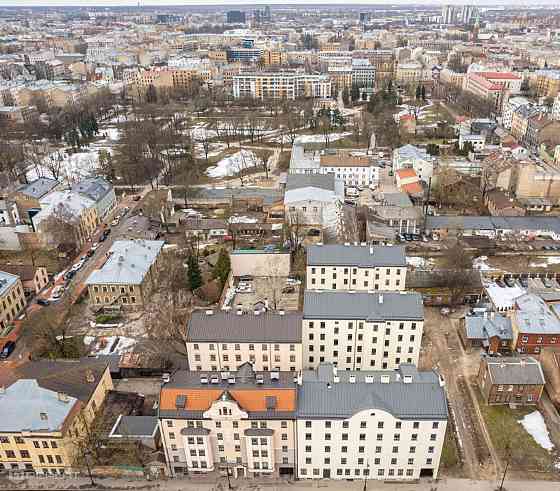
x=370, y=424
x=281, y=85
x=556, y=108
x=509, y=107
x=361, y=331
x=242, y=422
x=363, y=73
x=223, y=341
x=350, y=267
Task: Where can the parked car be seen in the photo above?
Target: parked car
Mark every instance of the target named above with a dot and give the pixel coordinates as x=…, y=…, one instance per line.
x=43, y=301
x=69, y=274
x=415, y=237
x=90, y=253
x=401, y=238
x=408, y=237
x=137, y=198
x=524, y=282
x=509, y=282
x=115, y=222
x=94, y=246
x=7, y=350
x=547, y=282
x=288, y=289
x=500, y=283
x=58, y=291
x=245, y=278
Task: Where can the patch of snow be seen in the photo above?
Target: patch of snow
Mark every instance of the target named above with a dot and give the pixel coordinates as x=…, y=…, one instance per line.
x=481, y=263
x=242, y=219
x=416, y=261
x=321, y=138
x=112, y=133
x=536, y=427
x=232, y=165
x=105, y=345
x=547, y=261
x=503, y=298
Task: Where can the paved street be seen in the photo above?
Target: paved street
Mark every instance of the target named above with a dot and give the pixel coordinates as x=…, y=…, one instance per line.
x=193, y=485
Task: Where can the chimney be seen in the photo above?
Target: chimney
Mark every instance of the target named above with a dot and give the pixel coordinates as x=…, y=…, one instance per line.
x=90, y=377
x=62, y=397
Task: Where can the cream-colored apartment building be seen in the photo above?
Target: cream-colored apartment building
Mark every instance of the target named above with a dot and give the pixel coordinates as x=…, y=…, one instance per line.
x=281, y=85
x=370, y=424
x=12, y=298
x=127, y=277
x=352, y=267
x=223, y=341
x=361, y=330
x=241, y=422
x=45, y=410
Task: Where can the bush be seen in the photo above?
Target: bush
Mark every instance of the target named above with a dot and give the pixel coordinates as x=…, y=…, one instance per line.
x=106, y=319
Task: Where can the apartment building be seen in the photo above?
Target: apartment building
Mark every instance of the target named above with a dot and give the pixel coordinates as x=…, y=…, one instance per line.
x=509, y=107
x=46, y=407
x=353, y=267
x=361, y=330
x=127, y=276
x=535, y=324
x=411, y=73
x=509, y=380
x=363, y=73
x=274, y=57
x=370, y=424
x=451, y=78
x=548, y=83
x=520, y=120
x=223, y=341
x=12, y=298
x=281, y=85
x=411, y=157
x=353, y=170
x=556, y=108
x=242, y=422
x=491, y=86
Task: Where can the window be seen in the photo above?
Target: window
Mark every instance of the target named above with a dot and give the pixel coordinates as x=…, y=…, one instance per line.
x=46, y=444
x=412, y=450
x=24, y=454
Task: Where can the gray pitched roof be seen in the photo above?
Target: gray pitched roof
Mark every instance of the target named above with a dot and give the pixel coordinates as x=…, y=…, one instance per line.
x=95, y=188
x=378, y=306
x=135, y=426
x=38, y=188
x=322, y=181
x=358, y=256
x=7, y=280
x=247, y=328
x=128, y=263
x=422, y=397
x=493, y=223
x=515, y=371
x=480, y=327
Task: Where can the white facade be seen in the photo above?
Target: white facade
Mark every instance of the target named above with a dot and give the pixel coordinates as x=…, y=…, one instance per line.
x=478, y=142
x=396, y=433
x=281, y=85
x=411, y=157
x=509, y=107
x=556, y=108
x=230, y=356
x=356, y=331
x=355, y=278
x=363, y=176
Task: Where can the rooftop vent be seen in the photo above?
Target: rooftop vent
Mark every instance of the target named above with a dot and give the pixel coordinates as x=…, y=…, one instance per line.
x=275, y=375
x=385, y=379
x=336, y=379
x=352, y=379
x=369, y=379
x=407, y=379
x=380, y=299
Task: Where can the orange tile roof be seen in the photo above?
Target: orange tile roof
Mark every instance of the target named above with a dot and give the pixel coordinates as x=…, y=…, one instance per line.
x=402, y=173
x=412, y=188
x=249, y=399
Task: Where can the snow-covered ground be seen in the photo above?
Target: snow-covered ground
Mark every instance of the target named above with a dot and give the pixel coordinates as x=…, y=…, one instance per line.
x=535, y=425
x=503, y=298
x=321, y=138
x=214, y=149
x=419, y=262
x=546, y=261
x=201, y=132
x=103, y=346
x=481, y=263
x=77, y=166
x=242, y=219
x=232, y=165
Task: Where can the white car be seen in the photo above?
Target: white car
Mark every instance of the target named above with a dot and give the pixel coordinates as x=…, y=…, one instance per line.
x=78, y=265
x=115, y=222
x=58, y=291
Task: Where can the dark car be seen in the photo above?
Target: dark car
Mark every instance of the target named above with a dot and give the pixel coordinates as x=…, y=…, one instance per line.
x=43, y=301
x=9, y=347
x=69, y=275
x=104, y=235
x=500, y=283
x=524, y=282
x=509, y=282
x=408, y=237
x=415, y=237
x=137, y=198
x=90, y=253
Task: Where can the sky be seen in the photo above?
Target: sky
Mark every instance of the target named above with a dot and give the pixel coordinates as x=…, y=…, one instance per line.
x=108, y=3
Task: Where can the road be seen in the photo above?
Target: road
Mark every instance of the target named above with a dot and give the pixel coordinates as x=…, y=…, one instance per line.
x=201, y=484
x=441, y=349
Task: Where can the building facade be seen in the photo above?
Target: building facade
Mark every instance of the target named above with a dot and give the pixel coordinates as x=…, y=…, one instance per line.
x=223, y=341
x=361, y=331
x=12, y=298
x=350, y=267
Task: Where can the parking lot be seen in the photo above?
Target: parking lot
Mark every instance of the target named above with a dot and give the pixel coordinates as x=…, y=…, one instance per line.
x=274, y=292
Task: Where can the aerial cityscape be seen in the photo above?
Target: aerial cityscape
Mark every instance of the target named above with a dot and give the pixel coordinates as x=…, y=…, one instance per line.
x=279, y=246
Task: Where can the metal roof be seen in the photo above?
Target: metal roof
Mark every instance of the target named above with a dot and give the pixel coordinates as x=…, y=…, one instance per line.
x=128, y=263
x=533, y=316
x=7, y=280
x=374, y=306
x=420, y=397
x=25, y=405
x=481, y=327
x=358, y=256
x=246, y=328
x=38, y=188
x=135, y=426
x=515, y=371
x=494, y=223
x=321, y=181
x=95, y=188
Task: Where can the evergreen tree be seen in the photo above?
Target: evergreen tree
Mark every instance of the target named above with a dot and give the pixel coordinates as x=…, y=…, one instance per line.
x=355, y=94
x=423, y=93
x=222, y=267
x=345, y=96
x=194, y=277
x=418, y=92
x=151, y=94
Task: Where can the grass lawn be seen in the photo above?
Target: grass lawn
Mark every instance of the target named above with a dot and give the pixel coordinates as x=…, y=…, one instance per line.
x=450, y=452
x=504, y=429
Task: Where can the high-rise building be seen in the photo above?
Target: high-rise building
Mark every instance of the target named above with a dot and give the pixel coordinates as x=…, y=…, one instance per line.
x=235, y=17
x=465, y=14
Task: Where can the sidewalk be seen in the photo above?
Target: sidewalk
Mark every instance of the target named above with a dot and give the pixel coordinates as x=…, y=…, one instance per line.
x=250, y=485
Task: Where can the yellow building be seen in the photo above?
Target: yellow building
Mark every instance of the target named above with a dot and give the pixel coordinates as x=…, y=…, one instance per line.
x=274, y=57
x=46, y=409
x=548, y=83
x=127, y=277
x=12, y=299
